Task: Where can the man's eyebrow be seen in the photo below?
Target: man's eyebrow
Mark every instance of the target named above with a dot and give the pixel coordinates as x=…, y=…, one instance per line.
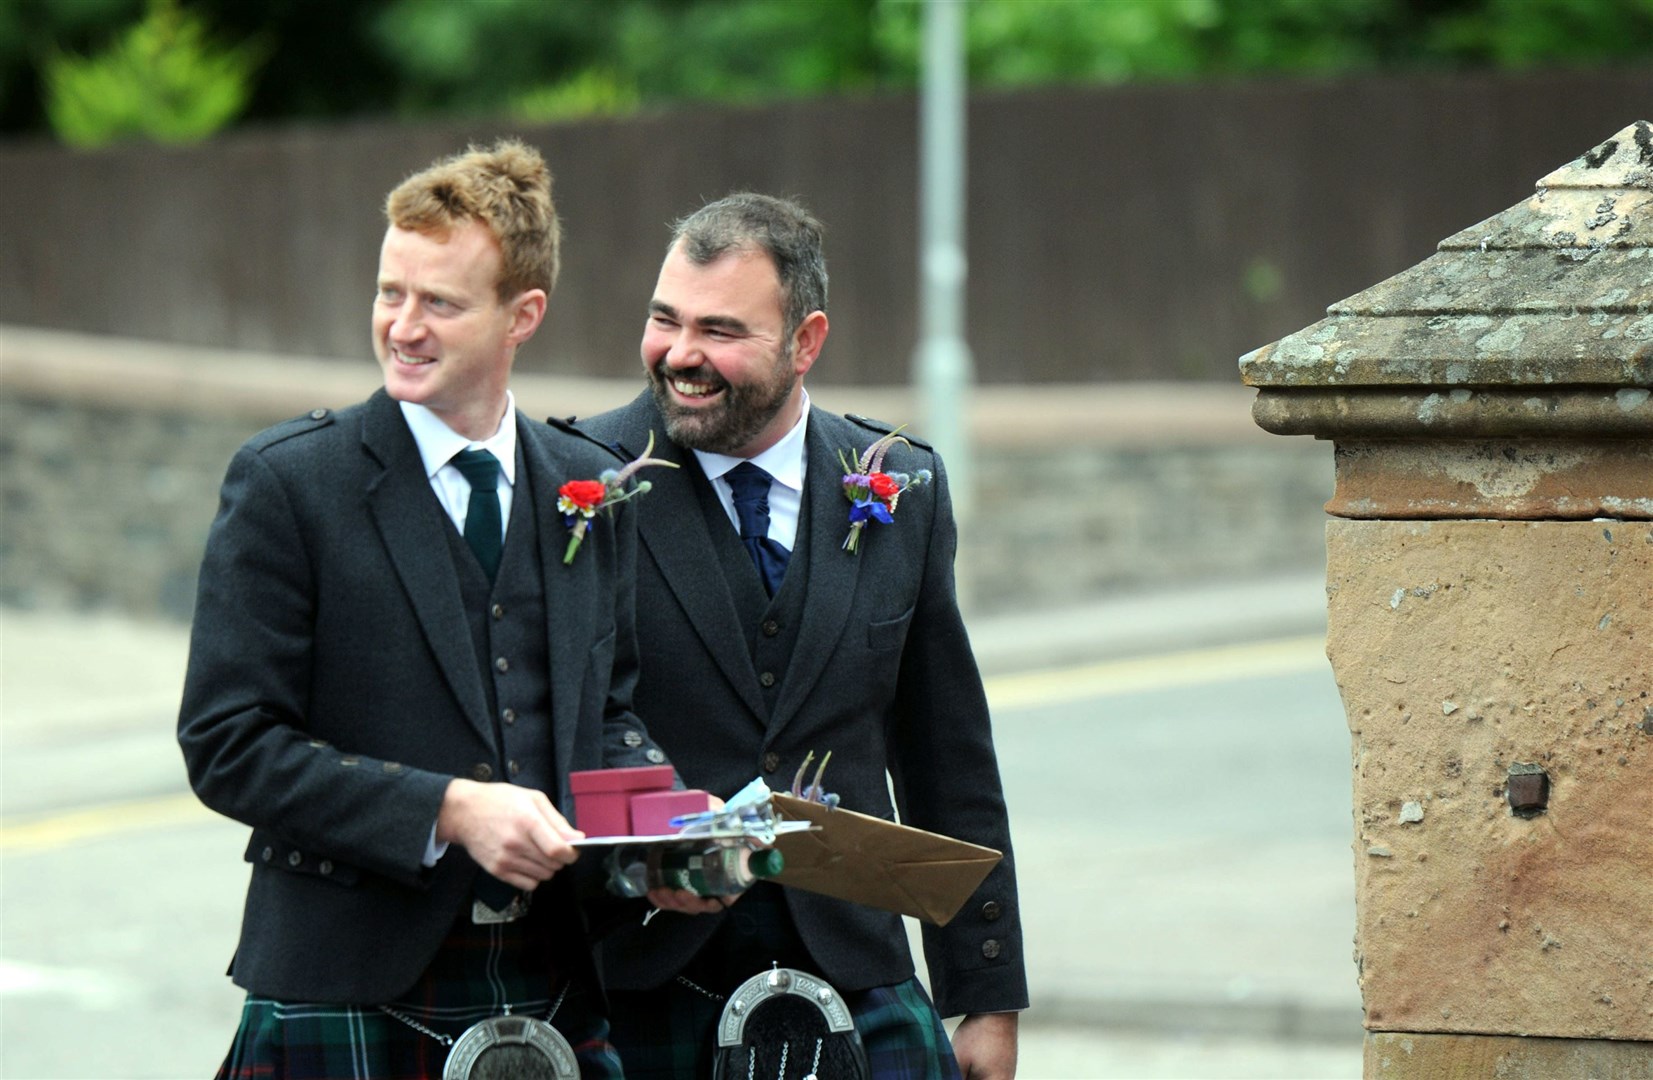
x=722, y=322
x=717, y=322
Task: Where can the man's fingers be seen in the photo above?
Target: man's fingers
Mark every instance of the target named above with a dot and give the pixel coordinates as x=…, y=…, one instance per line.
x=686, y=903
x=559, y=824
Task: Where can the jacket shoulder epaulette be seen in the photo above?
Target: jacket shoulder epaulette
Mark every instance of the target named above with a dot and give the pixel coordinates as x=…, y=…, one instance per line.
x=568, y=427
x=886, y=428
x=314, y=420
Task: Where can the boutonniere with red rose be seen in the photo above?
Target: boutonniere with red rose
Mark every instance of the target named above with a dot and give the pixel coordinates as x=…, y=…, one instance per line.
x=872, y=492
x=579, y=500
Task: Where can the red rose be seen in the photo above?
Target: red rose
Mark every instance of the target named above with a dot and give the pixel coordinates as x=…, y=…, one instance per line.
x=583, y=493
x=882, y=486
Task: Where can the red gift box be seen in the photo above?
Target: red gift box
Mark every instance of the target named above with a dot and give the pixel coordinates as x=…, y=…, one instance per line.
x=652, y=813
x=602, y=797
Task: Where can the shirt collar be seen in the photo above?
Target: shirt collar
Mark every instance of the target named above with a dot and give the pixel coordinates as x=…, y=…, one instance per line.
x=784, y=461
x=438, y=442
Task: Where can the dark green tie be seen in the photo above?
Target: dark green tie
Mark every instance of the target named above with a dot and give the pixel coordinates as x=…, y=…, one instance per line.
x=483, y=527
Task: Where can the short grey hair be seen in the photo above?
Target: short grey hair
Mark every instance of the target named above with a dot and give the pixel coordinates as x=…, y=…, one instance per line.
x=780, y=228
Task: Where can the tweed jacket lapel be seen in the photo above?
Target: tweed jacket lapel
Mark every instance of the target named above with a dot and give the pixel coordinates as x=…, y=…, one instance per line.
x=410, y=524
x=673, y=527
x=833, y=573
x=570, y=612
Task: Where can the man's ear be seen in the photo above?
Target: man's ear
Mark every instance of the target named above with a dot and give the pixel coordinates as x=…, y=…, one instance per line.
x=807, y=341
x=527, y=312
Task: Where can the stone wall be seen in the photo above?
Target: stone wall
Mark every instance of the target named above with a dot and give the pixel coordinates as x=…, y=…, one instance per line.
x=111, y=453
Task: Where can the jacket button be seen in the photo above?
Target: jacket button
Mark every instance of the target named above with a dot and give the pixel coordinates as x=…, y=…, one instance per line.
x=767, y=679
x=991, y=911
x=632, y=739
x=393, y=766
x=267, y=854
x=513, y=767
x=990, y=949
x=655, y=754
x=771, y=628
x=294, y=858
x=502, y=665
x=483, y=772
x=350, y=760
x=497, y=611
x=326, y=867
x=771, y=761
x=508, y=715
x=318, y=414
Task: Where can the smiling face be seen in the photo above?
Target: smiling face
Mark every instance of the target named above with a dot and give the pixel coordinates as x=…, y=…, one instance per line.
x=726, y=375
x=443, y=336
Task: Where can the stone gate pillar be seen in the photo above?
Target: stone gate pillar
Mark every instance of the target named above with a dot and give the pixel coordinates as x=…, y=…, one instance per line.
x=1490, y=594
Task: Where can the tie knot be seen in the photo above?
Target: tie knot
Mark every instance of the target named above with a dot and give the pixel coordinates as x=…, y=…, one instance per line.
x=480, y=468
x=749, y=486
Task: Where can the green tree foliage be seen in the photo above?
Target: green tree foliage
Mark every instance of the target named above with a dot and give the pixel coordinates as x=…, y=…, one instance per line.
x=544, y=59
x=162, y=78
x=30, y=30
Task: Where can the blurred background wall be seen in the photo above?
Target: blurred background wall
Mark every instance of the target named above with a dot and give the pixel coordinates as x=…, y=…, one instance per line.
x=1124, y=233
x=191, y=194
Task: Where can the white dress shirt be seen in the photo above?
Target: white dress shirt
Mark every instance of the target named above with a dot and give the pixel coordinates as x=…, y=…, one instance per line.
x=785, y=463
x=438, y=443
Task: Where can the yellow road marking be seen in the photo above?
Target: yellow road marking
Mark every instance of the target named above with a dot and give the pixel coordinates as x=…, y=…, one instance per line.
x=99, y=821
x=1287, y=656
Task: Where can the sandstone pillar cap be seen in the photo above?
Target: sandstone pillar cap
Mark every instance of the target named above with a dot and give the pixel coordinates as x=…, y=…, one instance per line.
x=1537, y=322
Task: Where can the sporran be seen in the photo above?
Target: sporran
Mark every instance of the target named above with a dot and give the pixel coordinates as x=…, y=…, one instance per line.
x=511, y=1048
x=786, y=1024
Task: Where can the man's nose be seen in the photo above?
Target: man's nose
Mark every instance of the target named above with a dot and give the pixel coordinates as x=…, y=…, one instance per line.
x=683, y=353
x=405, y=324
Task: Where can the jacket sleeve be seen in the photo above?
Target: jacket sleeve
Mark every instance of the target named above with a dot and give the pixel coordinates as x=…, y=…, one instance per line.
x=946, y=778
x=242, y=723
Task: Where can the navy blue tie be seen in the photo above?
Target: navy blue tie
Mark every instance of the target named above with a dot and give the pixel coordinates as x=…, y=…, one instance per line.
x=483, y=528
x=750, y=487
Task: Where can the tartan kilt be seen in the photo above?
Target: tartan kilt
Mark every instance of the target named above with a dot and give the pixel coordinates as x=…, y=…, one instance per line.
x=671, y=1032
x=478, y=971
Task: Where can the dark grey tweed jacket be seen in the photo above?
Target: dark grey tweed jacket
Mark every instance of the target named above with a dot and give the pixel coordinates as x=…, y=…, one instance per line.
x=333, y=690
x=881, y=674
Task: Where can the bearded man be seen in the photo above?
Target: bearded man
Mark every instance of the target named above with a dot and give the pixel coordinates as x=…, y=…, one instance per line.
x=769, y=637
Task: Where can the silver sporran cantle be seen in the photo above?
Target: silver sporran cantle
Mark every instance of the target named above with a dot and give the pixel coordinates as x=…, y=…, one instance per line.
x=511, y=1048
x=786, y=1024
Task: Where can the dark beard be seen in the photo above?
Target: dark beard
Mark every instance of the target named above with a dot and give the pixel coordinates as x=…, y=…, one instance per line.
x=743, y=412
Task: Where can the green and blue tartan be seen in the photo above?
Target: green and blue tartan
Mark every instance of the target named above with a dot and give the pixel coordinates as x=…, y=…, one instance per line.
x=478, y=972
x=671, y=1032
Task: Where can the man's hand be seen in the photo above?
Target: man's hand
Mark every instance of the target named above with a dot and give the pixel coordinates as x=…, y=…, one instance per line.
x=685, y=902
x=985, y=1045
x=513, y=832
